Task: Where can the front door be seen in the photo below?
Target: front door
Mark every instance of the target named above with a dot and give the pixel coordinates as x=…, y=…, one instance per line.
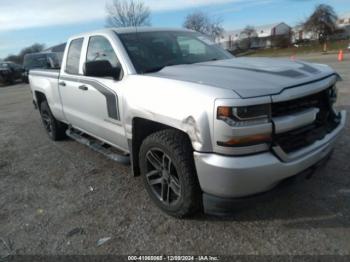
x=91, y=104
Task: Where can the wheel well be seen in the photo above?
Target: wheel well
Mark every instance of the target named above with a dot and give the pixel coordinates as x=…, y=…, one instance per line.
x=142, y=128
x=40, y=97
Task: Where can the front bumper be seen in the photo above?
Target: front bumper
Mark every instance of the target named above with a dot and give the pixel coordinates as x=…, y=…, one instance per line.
x=236, y=177
x=220, y=206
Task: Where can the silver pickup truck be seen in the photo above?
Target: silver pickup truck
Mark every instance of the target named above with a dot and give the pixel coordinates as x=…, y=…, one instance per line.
x=203, y=128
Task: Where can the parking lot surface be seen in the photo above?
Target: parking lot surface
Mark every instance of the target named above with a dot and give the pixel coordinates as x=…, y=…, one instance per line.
x=62, y=198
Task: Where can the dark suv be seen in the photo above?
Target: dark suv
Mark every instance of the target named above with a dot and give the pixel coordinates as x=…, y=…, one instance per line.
x=10, y=72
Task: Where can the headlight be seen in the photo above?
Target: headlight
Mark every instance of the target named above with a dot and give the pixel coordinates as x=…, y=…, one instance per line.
x=246, y=118
x=246, y=115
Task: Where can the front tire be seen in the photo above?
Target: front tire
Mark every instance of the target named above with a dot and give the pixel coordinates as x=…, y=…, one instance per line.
x=168, y=171
x=54, y=128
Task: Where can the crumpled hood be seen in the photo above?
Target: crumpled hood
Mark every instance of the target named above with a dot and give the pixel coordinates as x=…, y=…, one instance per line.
x=248, y=77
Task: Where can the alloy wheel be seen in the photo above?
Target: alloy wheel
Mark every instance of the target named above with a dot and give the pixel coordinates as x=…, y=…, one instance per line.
x=47, y=121
x=162, y=177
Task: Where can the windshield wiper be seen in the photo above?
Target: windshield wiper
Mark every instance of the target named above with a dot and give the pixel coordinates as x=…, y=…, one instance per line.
x=215, y=59
x=153, y=69
x=157, y=68
x=210, y=60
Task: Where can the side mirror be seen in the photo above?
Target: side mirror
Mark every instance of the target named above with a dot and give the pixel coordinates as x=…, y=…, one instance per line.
x=102, y=68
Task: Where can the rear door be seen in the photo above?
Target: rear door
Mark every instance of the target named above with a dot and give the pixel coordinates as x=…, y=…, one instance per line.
x=69, y=85
x=92, y=104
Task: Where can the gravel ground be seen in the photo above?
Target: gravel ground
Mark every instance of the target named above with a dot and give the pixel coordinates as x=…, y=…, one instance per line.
x=61, y=198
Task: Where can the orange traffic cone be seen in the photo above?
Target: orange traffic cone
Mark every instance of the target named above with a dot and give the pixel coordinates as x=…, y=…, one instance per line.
x=340, y=55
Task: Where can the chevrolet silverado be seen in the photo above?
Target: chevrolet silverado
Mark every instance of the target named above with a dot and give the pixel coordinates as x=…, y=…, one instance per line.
x=203, y=128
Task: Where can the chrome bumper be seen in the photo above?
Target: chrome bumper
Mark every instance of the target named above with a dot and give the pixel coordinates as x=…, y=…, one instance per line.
x=227, y=176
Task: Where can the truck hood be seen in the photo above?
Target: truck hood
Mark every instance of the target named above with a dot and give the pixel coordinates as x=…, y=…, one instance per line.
x=248, y=77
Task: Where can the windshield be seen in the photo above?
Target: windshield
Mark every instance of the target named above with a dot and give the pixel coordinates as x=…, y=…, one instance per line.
x=44, y=61
x=152, y=51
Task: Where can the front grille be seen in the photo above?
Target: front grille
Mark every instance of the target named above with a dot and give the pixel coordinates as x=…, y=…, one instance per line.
x=319, y=100
x=325, y=123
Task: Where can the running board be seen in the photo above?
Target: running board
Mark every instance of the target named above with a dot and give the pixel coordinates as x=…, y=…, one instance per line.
x=99, y=146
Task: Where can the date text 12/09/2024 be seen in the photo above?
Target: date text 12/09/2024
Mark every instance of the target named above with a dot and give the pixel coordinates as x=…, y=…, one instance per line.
x=173, y=258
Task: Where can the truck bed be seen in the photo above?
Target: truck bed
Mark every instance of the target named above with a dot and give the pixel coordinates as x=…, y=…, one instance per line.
x=45, y=81
x=45, y=72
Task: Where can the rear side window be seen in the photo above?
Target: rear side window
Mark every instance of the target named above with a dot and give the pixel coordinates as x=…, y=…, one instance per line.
x=73, y=58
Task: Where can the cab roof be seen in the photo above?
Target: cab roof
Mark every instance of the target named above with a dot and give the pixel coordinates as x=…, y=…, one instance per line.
x=127, y=30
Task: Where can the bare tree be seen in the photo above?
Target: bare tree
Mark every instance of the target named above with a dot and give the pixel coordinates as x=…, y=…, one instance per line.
x=322, y=22
x=123, y=13
x=202, y=23
x=247, y=36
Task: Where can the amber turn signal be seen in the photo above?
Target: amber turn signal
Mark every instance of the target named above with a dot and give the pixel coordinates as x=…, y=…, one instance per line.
x=224, y=112
x=247, y=140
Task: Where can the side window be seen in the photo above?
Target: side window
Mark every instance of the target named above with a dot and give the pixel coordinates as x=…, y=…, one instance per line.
x=73, y=57
x=100, y=49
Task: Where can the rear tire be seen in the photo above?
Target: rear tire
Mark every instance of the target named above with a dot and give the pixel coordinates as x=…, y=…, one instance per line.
x=169, y=174
x=54, y=128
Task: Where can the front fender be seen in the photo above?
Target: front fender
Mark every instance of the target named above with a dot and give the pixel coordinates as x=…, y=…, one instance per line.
x=185, y=106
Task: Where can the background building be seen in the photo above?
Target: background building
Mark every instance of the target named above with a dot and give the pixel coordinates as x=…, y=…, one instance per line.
x=299, y=35
x=265, y=36
x=342, y=32
x=343, y=24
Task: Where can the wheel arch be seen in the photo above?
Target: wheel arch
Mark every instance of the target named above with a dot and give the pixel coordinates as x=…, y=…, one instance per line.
x=40, y=97
x=142, y=128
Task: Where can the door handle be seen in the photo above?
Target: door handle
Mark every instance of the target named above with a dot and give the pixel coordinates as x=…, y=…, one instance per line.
x=83, y=87
x=62, y=83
